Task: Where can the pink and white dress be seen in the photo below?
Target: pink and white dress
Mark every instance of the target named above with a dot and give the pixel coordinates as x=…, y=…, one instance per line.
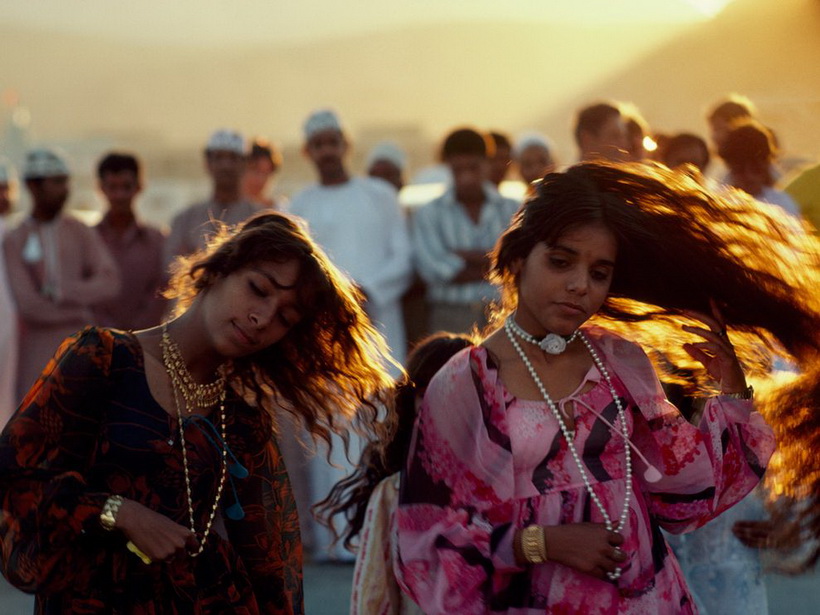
x=484, y=463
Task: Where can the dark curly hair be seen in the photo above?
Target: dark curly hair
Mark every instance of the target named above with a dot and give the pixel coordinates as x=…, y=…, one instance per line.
x=384, y=458
x=682, y=248
x=329, y=370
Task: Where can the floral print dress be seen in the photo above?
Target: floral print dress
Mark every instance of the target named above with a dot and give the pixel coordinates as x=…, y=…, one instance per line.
x=90, y=428
x=484, y=463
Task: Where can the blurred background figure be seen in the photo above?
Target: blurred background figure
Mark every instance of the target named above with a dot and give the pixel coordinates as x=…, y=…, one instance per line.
x=59, y=269
x=453, y=234
x=137, y=248
x=686, y=148
x=601, y=133
x=387, y=161
x=727, y=112
x=804, y=187
x=638, y=136
x=263, y=162
x=8, y=314
x=359, y=224
x=533, y=156
x=749, y=152
x=501, y=158
x=225, y=163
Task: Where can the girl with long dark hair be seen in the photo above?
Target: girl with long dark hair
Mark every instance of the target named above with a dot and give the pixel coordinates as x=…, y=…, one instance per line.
x=546, y=460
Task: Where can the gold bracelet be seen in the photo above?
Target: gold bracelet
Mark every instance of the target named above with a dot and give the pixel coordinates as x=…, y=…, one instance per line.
x=534, y=544
x=108, y=516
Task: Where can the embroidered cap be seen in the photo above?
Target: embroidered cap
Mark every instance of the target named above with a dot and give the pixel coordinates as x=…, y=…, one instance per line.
x=226, y=141
x=43, y=162
x=389, y=151
x=321, y=120
x=531, y=139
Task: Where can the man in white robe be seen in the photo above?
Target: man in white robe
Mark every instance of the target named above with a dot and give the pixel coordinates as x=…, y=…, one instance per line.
x=359, y=223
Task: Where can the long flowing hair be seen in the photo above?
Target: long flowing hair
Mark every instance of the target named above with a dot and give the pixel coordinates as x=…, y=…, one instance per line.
x=330, y=368
x=383, y=458
x=683, y=248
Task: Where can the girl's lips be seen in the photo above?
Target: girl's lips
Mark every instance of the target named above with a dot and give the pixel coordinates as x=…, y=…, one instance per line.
x=571, y=308
x=243, y=337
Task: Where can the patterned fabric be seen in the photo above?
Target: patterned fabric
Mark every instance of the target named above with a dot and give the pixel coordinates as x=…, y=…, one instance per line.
x=484, y=463
x=375, y=590
x=90, y=428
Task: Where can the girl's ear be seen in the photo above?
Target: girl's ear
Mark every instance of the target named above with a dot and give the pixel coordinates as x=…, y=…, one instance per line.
x=516, y=266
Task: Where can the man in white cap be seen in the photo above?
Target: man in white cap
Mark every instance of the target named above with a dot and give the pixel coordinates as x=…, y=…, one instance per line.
x=8, y=314
x=58, y=268
x=358, y=222
x=225, y=163
x=387, y=161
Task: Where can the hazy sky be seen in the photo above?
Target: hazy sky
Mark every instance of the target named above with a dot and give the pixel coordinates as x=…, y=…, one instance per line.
x=208, y=22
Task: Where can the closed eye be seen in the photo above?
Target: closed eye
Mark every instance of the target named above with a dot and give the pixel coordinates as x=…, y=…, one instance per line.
x=256, y=289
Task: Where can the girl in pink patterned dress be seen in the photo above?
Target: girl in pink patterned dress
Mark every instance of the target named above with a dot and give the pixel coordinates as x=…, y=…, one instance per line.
x=545, y=461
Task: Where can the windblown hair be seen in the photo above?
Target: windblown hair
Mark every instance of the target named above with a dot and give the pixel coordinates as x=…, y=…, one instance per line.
x=329, y=370
x=384, y=458
x=680, y=248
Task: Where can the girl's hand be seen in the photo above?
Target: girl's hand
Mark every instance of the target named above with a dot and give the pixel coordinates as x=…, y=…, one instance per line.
x=154, y=534
x=716, y=353
x=587, y=547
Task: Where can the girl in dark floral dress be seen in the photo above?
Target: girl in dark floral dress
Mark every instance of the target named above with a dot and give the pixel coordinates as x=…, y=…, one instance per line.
x=129, y=486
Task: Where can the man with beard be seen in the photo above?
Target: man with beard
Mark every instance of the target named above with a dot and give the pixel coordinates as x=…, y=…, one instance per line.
x=358, y=222
x=58, y=268
x=225, y=163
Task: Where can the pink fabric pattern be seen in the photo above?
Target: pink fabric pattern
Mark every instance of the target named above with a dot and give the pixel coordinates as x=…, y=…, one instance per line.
x=484, y=463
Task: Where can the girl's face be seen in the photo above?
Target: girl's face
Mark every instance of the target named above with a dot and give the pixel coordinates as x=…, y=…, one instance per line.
x=561, y=286
x=252, y=308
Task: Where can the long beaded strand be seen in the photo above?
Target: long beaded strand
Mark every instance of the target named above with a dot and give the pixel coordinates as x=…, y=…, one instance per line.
x=172, y=368
x=568, y=434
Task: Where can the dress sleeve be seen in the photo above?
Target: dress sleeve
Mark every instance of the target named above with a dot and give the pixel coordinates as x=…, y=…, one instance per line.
x=705, y=469
x=375, y=591
x=456, y=511
x=45, y=449
x=267, y=537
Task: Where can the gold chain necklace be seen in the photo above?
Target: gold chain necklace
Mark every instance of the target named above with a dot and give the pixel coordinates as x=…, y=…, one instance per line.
x=172, y=367
x=195, y=395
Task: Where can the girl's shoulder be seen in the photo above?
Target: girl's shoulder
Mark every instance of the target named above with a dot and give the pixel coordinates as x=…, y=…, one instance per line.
x=103, y=345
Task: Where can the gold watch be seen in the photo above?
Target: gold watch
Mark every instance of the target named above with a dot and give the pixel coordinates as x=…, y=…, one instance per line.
x=747, y=393
x=108, y=516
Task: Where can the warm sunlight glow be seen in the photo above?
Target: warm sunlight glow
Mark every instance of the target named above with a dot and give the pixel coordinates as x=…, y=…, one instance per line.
x=649, y=144
x=710, y=8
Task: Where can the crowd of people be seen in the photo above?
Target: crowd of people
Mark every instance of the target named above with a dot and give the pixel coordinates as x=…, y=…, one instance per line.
x=180, y=408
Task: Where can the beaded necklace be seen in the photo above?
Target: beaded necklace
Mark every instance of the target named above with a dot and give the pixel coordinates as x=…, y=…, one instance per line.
x=195, y=395
x=511, y=328
x=552, y=343
x=175, y=366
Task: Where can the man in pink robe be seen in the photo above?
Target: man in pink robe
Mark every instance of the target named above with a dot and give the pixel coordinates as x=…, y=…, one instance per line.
x=58, y=268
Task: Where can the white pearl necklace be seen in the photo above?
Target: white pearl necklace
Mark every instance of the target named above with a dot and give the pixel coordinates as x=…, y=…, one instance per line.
x=510, y=328
x=552, y=343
